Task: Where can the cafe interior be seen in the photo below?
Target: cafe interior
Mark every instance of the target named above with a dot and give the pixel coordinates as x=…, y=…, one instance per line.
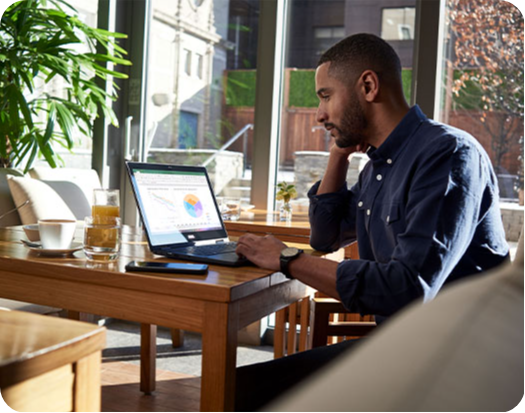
x=219, y=96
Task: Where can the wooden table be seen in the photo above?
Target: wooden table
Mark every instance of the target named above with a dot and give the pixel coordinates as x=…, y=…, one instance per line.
x=216, y=305
x=261, y=222
x=48, y=363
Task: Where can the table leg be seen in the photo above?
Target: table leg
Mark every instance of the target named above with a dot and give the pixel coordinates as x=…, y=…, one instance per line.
x=148, y=357
x=77, y=315
x=219, y=356
x=177, y=337
x=86, y=392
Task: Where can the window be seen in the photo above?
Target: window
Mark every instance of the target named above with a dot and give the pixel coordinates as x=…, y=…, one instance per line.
x=482, y=84
x=398, y=23
x=199, y=66
x=324, y=37
x=81, y=156
x=304, y=144
x=187, y=62
x=189, y=119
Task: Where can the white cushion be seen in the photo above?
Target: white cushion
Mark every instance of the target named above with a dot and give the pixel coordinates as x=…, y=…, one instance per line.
x=44, y=202
x=86, y=179
x=7, y=206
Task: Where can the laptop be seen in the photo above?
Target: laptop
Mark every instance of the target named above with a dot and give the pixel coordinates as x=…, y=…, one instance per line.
x=180, y=215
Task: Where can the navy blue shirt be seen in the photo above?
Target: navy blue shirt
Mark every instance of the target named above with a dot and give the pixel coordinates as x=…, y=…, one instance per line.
x=425, y=211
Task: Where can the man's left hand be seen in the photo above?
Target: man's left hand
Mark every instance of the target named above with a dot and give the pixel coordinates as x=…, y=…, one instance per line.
x=264, y=251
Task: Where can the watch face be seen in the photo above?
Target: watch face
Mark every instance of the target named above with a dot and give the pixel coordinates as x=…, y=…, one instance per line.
x=289, y=252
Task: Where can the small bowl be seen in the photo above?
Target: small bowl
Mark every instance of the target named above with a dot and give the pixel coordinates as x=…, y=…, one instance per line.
x=32, y=232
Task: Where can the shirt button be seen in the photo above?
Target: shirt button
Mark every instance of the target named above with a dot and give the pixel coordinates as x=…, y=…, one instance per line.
x=388, y=219
x=368, y=212
x=360, y=204
x=379, y=177
x=389, y=161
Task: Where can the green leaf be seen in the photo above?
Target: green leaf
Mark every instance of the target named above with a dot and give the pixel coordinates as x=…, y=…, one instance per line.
x=35, y=41
x=50, y=122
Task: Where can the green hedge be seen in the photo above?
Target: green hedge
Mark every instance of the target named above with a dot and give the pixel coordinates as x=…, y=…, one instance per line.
x=240, y=88
x=302, y=89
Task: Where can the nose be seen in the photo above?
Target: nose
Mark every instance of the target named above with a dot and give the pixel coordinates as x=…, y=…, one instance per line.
x=321, y=115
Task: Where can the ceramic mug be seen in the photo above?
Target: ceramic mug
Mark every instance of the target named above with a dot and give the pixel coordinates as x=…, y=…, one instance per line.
x=56, y=234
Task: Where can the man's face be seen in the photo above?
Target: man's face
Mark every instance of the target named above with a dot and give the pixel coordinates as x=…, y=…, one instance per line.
x=339, y=109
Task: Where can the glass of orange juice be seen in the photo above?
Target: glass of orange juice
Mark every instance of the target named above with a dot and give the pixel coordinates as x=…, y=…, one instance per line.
x=101, y=230
x=106, y=206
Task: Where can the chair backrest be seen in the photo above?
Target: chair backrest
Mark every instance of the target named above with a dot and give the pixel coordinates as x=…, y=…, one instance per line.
x=54, y=193
x=86, y=179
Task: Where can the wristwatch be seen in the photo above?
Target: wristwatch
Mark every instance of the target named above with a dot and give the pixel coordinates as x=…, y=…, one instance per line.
x=287, y=256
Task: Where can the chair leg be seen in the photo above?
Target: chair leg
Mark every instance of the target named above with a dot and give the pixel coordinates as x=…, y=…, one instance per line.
x=279, y=340
x=177, y=337
x=320, y=330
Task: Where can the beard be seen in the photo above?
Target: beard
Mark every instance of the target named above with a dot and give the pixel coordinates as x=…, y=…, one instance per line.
x=351, y=131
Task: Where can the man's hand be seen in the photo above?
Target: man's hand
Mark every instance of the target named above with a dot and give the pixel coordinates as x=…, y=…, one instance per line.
x=264, y=252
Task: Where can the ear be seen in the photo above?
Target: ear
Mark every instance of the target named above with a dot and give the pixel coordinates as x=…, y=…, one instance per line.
x=369, y=85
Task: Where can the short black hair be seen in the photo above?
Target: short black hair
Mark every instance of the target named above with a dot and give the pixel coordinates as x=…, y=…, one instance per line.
x=353, y=55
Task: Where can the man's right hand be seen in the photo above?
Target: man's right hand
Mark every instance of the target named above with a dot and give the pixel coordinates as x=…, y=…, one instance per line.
x=335, y=174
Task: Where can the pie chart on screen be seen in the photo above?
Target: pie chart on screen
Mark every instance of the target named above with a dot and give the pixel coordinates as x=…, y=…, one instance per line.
x=193, y=206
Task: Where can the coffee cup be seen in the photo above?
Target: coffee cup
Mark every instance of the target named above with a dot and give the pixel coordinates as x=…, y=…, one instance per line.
x=56, y=234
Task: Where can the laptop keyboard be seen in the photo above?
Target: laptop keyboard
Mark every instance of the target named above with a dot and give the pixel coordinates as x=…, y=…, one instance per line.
x=214, y=249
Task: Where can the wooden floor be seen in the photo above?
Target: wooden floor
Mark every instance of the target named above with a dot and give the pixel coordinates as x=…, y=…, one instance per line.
x=120, y=390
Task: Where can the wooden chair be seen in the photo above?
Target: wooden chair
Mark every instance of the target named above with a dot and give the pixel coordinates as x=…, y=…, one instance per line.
x=287, y=322
x=333, y=323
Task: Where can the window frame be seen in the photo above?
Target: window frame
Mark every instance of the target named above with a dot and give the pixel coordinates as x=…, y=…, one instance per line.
x=274, y=16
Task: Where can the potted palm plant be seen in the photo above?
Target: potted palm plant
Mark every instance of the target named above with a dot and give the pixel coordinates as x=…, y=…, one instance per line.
x=43, y=40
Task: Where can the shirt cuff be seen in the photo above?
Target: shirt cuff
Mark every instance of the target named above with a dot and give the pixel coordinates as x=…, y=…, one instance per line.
x=347, y=283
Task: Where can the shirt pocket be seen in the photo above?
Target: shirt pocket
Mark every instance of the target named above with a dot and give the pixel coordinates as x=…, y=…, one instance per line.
x=390, y=213
x=391, y=217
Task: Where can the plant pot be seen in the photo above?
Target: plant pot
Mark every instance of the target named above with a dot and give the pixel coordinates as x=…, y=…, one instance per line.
x=285, y=212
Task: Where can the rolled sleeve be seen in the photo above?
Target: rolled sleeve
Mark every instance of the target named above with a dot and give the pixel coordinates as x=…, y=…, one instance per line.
x=332, y=219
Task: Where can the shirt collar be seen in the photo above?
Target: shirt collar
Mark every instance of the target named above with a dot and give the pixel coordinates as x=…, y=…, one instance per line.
x=397, y=139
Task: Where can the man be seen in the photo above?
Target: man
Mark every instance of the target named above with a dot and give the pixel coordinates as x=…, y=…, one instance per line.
x=425, y=209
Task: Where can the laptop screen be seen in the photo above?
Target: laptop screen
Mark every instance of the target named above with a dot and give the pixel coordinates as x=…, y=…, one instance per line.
x=176, y=203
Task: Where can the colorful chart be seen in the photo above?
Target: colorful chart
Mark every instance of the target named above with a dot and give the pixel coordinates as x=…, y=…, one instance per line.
x=193, y=206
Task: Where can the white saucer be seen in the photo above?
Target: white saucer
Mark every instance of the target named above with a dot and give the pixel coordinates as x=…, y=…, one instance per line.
x=75, y=246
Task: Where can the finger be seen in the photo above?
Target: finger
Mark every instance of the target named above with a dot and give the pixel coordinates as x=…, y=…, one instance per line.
x=242, y=249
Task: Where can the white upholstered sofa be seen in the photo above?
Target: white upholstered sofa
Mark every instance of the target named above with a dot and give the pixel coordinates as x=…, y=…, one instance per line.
x=52, y=193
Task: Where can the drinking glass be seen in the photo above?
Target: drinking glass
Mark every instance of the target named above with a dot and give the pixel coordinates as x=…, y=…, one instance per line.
x=101, y=240
x=230, y=208
x=106, y=206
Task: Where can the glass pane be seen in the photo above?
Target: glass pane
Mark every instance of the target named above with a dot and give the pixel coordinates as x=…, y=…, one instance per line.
x=201, y=88
x=398, y=23
x=304, y=143
x=482, y=83
x=80, y=156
